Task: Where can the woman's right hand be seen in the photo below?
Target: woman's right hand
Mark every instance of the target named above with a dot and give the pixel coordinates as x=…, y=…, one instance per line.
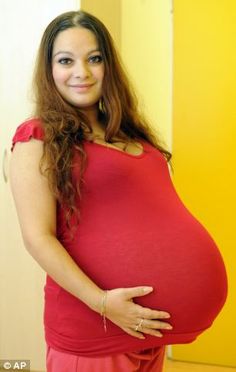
x=134, y=319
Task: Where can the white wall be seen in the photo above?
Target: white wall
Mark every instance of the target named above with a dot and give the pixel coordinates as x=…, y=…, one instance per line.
x=21, y=280
x=146, y=46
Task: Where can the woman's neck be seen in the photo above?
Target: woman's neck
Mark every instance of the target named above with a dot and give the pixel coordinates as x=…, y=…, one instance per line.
x=92, y=115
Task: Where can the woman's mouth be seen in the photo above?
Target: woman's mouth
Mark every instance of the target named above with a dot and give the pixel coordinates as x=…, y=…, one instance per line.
x=81, y=87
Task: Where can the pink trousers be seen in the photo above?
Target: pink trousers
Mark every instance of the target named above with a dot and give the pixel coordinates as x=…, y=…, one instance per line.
x=150, y=360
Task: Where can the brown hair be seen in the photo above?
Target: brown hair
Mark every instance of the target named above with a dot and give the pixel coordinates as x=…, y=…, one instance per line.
x=66, y=127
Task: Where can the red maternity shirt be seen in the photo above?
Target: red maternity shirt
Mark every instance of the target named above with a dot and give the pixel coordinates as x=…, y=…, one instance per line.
x=134, y=230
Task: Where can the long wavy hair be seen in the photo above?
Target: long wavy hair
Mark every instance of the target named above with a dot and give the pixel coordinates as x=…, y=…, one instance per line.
x=66, y=127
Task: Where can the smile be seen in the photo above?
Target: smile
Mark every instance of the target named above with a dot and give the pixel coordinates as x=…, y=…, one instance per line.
x=81, y=86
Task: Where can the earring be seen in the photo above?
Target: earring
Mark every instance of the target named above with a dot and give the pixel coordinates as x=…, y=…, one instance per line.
x=101, y=106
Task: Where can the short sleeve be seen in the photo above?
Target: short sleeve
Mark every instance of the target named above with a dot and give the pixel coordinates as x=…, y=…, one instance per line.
x=28, y=129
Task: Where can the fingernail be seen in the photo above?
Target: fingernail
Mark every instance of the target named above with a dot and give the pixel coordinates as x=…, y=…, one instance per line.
x=147, y=289
x=142, y=337
x=168, y=327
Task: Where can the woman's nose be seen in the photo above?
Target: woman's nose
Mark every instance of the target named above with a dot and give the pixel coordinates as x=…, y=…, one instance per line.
x=81, y=70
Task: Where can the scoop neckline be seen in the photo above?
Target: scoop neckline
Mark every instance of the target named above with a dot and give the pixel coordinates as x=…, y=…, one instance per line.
x=139, y=156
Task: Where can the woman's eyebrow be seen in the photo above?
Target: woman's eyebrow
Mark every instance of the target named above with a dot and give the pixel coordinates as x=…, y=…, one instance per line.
x=67, y=52
x=94, y=50
x=62, y=52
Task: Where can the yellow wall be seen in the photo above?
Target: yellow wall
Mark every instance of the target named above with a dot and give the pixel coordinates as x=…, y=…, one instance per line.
x=109, y=12
x=204, y=135
x=146, y=46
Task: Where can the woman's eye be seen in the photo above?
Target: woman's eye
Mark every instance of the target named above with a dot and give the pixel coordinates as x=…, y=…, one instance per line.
x=65, y=61
x=95, y=59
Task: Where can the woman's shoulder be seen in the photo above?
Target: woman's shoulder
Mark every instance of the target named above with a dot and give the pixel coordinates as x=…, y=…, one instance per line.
x=25, y=131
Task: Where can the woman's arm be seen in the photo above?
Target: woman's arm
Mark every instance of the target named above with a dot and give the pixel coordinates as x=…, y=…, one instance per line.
x=36, y=209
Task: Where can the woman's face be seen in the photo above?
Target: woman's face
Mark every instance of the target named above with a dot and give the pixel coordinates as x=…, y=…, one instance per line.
x=77, y=67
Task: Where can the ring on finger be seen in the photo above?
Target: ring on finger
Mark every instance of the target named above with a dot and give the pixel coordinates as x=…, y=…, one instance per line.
x=139, y=325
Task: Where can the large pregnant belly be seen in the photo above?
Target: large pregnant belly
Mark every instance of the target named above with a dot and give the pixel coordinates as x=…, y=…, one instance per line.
x=180, y=261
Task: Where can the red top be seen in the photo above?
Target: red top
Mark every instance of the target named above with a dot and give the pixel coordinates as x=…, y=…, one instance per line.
x=134, y=230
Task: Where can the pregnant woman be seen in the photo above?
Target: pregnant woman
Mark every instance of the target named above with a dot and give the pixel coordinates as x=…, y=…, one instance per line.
x=129, y=269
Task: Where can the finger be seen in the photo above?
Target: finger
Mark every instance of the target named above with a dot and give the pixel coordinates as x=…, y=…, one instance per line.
x=156, y=325
x=153, y=314
x=152, y=332
x=137, y=292
x=134, y=333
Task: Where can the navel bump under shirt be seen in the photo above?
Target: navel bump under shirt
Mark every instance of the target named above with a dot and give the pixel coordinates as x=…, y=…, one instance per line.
x=134, y=230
